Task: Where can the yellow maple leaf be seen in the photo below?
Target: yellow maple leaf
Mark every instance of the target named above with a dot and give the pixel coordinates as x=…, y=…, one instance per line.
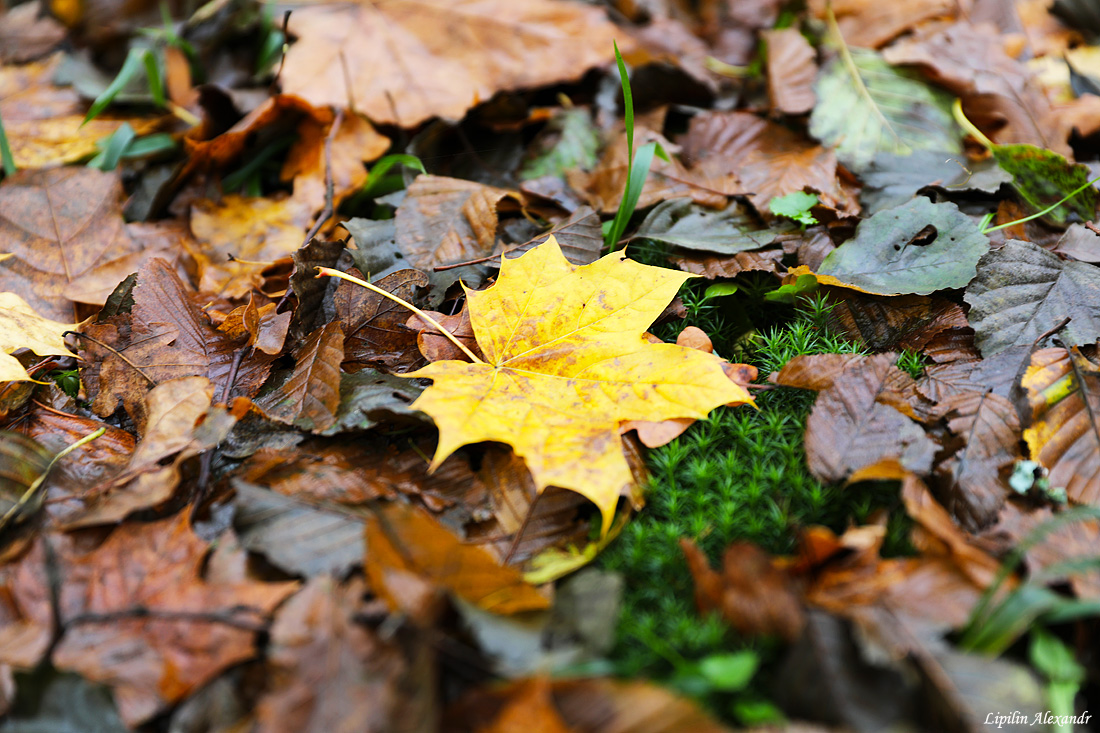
x=22, y=328
x=566, y=362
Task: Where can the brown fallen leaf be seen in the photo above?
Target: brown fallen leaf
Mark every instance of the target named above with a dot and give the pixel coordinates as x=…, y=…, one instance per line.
x=60, y=224
x=328, y=671
x=165, y=337
x=411, y=60
x=356, y=142
x=404, y=541
x=791, y=70
x=753, y=595
x=262, y=326
x=530, y=707
x=447, y=220
x=886, y=323
x=139, y=616
x=237, y=238
x=999, y=94
x=975, y=476
x=26, y=35
x=850, y=427
x=375, y=334
x=44, y=123
x=311, y=394
x=603, y=186
x=592, y=705
x=715, y=266
x=871, y=24
x=769, y=160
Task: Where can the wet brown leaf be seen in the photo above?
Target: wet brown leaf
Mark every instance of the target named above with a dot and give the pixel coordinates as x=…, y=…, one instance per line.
x=60, y=224
x=715, y=266
x=356, y=142
x=893, y=323
x=870, y=24
x=166, y=337
x=45, y=123
x=753, y=595
x=25, y=36
x=435, y=346
x=999, y=94
x=311, y=394
x=769, y=160
x=411, y=60
x=139, y=616
x=375, y=334
x=850, y=427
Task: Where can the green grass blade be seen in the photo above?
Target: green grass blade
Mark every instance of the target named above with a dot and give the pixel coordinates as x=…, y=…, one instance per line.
x=382, y=167
x=115, y=146
x=152, y=72
x=634, y=184
x=6, y=158
x=628, y=102
x=132, y=65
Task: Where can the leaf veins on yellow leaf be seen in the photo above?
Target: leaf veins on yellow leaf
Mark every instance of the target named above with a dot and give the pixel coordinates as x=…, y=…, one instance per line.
x=22, y=328
x=566, y=361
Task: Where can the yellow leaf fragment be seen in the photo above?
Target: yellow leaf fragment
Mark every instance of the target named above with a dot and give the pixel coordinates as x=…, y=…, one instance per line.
x=22, y=328
x=566, y=362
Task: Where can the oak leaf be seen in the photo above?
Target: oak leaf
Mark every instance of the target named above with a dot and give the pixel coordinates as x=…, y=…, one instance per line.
x=566, y=362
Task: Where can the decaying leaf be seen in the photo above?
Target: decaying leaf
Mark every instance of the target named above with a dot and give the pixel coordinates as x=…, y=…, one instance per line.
x=330, y=672
x=555, y=387
x=1063, y=394
x=851, y=428
x=374, y=326
x=310, y=396
x=60, y=224
x=860, y=114
x=681, y=223
x=791, y=71
x=411, y=60
x=918, y=247
x=1022, y=291
x=238, y=237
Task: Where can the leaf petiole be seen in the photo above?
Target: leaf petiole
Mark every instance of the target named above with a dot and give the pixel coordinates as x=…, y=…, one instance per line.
x=329, y=272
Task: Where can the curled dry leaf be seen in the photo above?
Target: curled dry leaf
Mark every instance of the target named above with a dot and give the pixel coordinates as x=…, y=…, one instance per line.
x=556, y=388
x=870, y=24
x=404, y=541
x=791, y=71
x=416, y=59
x=893, y=324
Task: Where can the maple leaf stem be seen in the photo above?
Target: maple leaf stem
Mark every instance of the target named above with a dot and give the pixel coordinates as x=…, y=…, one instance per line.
x=329, y=272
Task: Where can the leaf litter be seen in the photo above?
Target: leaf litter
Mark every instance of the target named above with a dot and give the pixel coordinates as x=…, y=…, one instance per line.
x=258, y=529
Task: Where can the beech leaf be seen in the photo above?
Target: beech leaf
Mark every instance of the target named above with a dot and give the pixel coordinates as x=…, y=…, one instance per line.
x=567, y=362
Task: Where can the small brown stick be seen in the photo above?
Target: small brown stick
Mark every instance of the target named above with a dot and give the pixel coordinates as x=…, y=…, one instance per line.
x=522, y=528
x=327, y=212
x=1092, y=227
x=1051, y=331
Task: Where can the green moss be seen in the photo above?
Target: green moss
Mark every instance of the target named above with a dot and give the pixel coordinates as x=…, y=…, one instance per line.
x=740, y=475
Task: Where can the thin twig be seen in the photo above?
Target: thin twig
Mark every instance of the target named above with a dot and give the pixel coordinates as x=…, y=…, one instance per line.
x=326, y=214
x=1051, y=331
x=141, y=612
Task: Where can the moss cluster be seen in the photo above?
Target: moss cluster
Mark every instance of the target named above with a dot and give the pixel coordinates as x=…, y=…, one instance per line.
x=741, y=475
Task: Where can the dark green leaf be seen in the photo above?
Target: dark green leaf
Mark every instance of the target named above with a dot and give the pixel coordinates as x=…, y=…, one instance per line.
x=681, y=223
